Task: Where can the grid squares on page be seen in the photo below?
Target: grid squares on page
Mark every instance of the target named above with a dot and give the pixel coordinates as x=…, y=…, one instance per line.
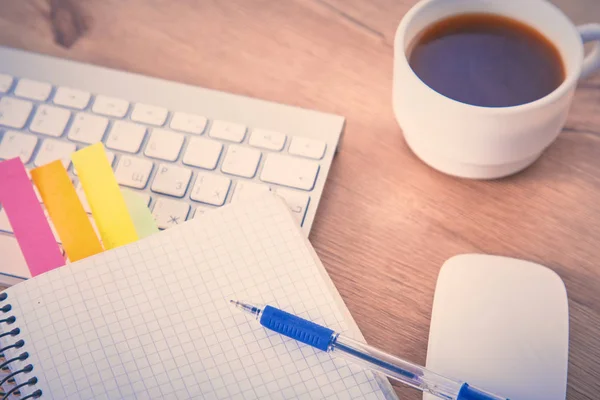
x=152, y=318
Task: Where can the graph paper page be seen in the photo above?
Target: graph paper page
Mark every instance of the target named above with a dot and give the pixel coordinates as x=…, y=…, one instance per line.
x=152, y=319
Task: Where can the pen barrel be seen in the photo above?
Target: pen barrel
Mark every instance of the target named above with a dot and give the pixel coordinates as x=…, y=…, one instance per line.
x=407, y=372
x=403, y=371
x=297, y=328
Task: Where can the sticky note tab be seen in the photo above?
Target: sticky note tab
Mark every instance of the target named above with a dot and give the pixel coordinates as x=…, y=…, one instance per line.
x=66, y=211
x=144, y=222
x=27, y=219
x=104, y=196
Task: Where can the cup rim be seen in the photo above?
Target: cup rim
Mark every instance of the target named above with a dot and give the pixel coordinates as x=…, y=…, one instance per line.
x=568, y=83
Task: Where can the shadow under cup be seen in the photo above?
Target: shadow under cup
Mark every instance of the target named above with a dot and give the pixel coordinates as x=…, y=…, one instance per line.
x=473, y=141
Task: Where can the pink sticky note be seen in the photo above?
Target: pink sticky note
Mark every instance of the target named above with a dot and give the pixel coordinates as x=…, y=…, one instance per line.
x=27, y=219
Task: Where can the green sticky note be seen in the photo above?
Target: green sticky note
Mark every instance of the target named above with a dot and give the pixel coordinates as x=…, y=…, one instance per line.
x=140, y=214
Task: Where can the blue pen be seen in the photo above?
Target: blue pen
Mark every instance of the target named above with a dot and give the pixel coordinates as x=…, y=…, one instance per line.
x=327, y=340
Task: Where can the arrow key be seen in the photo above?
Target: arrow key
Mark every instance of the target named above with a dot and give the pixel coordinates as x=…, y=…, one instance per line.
x=297, y=202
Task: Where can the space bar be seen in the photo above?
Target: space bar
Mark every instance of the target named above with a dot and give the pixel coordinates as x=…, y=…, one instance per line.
x=290, y=171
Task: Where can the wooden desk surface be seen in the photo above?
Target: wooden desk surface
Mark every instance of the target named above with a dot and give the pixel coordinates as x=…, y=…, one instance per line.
x=387, y=222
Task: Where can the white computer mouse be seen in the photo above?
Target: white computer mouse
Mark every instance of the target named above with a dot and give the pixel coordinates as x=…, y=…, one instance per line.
x=501, y=324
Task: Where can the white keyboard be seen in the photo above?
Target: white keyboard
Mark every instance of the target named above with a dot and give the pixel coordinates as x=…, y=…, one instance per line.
x=185, y=149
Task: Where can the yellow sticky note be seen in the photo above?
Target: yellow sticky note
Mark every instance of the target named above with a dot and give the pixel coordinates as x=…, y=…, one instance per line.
x=104, y=196
x=68, y=216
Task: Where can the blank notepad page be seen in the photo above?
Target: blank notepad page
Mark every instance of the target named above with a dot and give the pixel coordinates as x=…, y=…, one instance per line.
x=152, y=320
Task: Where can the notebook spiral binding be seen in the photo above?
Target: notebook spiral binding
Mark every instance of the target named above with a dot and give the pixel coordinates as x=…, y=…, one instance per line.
x=14, y=333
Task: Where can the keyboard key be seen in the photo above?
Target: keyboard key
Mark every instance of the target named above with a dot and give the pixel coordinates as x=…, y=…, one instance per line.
x=6, y=82
x=126, y=136
x=171, y=180
x=50, y=120
x=133, y=172
x=73, y=98
x=17, y=144
x=110, y=106
x=4, y=224
x=228, y=131
x=35, y=189
x=83, y=199
x=52, y=228
x=53, y=149
x=13, y=262
x=267, y=139
x=164, y=144
x=202, y=153
x=296, y=201
x=168, y=213
x=241, y=161
x=145, y=198
x=95, y=227
x=88, y=128
x=33, y=90
x=245, y=190
x=201, y=210
x=14, y=112
x=188, y=123
x=306, y=147
x=109, y=155
x=37, y=193
x=149, y=114
x=289, y=171
x=210, y=189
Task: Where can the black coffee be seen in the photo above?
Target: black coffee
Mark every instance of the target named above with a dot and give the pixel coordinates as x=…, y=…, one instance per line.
x=486, y=60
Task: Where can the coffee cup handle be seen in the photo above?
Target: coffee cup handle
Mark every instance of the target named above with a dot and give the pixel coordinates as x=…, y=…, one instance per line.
x=591, y=63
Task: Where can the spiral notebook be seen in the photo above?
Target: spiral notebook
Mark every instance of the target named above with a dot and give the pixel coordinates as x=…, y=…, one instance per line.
x=151, y=320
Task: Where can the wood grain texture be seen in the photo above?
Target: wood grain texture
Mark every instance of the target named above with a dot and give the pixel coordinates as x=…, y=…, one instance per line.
x=68, y=23
x=387, y=222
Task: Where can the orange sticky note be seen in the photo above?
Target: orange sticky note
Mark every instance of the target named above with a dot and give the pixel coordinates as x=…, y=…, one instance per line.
x=66, y=212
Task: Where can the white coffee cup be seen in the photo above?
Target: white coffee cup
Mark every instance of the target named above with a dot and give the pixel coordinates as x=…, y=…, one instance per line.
x=483, y=142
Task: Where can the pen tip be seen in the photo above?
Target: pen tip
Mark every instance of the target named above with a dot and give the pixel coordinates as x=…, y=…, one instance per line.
x=248, y=308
